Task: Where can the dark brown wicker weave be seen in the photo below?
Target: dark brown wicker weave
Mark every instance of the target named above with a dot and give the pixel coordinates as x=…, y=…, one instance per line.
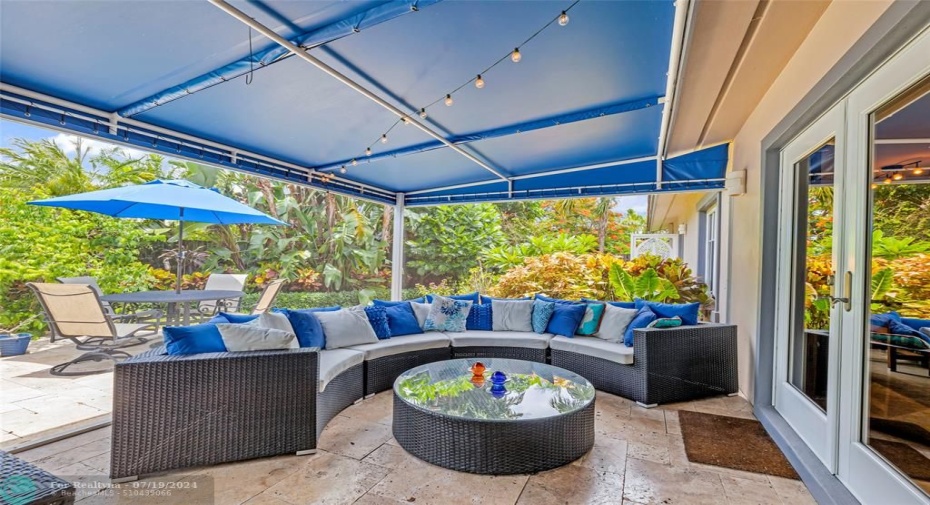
x=173, y=412
x=537, y=355
x=23, y=483
x=340, y=393
x=669, y=365
x=381, y=372
x=493, y=447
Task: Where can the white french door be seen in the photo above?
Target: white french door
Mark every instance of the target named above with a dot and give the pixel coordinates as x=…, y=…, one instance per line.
x=809, y=320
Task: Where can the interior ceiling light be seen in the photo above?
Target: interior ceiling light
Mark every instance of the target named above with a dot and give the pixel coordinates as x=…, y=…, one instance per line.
x=515, y=55
x=479, y=82
x=887, y=180
x=897, y=176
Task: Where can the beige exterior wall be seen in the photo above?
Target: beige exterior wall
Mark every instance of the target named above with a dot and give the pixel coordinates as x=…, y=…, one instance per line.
x=841, y=25
x=670, y=211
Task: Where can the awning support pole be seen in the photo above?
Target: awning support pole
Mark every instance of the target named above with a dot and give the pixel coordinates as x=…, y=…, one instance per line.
x=302, y=54
x=671, y=84
x=397, y=251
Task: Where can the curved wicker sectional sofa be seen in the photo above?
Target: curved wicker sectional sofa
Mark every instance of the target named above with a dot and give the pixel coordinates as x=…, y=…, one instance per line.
x=172, y=412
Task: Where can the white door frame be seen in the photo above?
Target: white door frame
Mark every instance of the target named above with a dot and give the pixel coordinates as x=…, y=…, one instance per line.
x=863, y=471
x=816, y=428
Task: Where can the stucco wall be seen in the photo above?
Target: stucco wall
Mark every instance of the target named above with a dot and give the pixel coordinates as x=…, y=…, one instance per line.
x=841, y=25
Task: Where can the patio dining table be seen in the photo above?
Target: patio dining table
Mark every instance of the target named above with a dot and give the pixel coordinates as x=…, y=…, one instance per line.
x=173, y=299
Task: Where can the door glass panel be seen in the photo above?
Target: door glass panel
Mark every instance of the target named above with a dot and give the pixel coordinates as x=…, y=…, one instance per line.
x=897, y=388
x=813, y=275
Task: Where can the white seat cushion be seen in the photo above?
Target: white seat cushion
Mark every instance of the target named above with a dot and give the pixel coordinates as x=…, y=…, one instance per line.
x=596, y=347
x=400, y=345
x=335, y=361
x=475, y=338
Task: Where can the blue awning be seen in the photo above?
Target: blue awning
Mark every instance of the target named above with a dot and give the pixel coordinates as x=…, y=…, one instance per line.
x=579, y=115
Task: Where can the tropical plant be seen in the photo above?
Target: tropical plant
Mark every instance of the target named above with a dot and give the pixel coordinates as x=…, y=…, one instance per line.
x=504, y=257
x=892, y=248
x=446, y=242
x=647, y=285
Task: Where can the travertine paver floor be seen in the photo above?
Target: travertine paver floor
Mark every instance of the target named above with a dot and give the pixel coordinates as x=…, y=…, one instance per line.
x=34, y=403
x=638, y=458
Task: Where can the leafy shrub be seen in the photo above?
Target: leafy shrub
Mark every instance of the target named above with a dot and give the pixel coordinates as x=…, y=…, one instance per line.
x=300, y=300
x=561, y=275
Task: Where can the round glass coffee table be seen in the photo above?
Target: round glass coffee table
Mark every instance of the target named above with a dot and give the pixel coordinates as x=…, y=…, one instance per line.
x=535, y=418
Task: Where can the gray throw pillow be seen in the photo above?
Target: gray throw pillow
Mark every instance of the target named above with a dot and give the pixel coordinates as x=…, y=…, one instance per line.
x=512, y=315
x=615, y=322
x=421, y=311
x=246, y=337
x=346, y=327
x=274, y=320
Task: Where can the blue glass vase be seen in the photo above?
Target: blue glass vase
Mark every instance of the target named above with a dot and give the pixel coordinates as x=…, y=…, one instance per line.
x=498, y=390
x=498, y=378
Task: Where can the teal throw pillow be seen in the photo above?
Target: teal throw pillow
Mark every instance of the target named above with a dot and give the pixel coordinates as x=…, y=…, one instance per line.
x=592, y=319
x=542, y=313
x=666, y=322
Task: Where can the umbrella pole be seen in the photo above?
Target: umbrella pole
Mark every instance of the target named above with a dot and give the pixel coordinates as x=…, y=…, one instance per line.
x=180, y=252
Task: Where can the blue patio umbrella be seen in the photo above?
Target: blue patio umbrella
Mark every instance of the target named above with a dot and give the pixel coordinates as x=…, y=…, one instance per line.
x=176, y=200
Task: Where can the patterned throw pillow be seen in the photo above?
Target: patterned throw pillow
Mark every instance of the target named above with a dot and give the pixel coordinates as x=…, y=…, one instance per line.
x=479, y=318
x=901, y=341
x=666, y=322
x=592, y=319
x=542, y=313
x=447, y=314
x=377, y=317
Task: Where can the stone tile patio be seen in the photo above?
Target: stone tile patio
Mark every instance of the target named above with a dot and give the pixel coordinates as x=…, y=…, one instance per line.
x=638, y=458
x=35, y=404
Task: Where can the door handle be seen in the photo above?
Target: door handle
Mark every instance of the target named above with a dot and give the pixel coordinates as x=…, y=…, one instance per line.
x=847, y=291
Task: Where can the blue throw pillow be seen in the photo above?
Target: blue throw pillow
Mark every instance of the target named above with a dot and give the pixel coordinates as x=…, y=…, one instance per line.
x=486, y=300
x=471, y=297
x=195, y=339
x=542, y=313
x=218, y=319
x=402, y=320
x=566, y=318
x=306, y=326
x=389, y=303
x=643, y=319
x=545, y=298
x=622, y=305
x=898, y=328
x=377, y=318
x=479, y=318
x=882, y=320
x=688, y=312
x=236, y=318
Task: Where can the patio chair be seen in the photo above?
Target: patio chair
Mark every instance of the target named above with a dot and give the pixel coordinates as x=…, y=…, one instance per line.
x=74, y=311
x=232, y=282
x=266, y=300
x=140, y=316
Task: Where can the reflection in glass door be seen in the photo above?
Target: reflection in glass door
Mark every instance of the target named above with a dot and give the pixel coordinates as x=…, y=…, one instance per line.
x=809, y=303
x=896, y=401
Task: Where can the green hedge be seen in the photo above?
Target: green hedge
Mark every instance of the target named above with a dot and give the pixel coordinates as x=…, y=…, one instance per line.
x=306, y=300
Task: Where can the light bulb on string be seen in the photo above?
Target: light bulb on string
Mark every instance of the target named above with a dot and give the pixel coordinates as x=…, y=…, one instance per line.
x=404, y=120
x=354, y=162
x=918, y=170
x=887, y=180
x=563, y=18
x=384, y=138
x=342, y=170
x=479, y=82
x=897, y=176
x=422, y=113
x=449, y=101
x=874, y=185
x=515, y=56
x=367, y=151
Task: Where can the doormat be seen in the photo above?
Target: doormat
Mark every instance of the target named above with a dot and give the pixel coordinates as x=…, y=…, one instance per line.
x=732, y=442
x=905, y=457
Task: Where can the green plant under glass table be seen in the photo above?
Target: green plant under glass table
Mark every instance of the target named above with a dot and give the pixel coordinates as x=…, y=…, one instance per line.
x=532, y=418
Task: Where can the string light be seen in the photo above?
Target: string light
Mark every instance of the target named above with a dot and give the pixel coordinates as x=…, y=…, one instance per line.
x=354, y=163
x=918, y=170
x=874, y=185
x=887, y=180
x=515, y=56
x=342, y=170
x=897, y=176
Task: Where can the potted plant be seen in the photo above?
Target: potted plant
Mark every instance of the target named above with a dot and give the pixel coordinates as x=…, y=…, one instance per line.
x=13, y=343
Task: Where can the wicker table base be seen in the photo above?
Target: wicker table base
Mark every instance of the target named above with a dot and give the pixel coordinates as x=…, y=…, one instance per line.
x=494, y=446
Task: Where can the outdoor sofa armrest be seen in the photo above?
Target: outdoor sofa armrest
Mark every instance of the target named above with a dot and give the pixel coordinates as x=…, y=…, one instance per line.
x=173, y=412
x=686, y=362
